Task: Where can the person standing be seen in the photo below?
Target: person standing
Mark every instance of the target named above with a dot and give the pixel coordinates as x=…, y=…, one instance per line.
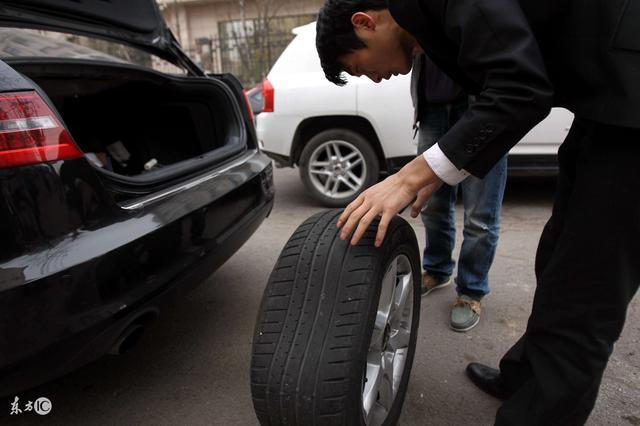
x=439, y=104
x=520, y=58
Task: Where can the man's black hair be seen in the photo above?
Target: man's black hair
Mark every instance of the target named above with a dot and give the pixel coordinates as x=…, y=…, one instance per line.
x=335, y=35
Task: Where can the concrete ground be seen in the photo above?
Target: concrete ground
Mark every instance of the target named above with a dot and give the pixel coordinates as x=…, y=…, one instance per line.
x=192, y=368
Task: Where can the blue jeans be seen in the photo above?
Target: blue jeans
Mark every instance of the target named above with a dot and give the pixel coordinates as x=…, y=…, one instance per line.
x=482, y=199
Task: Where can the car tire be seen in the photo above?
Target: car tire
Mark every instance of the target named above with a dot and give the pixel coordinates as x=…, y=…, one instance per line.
x=336, y=165
x=336, y=330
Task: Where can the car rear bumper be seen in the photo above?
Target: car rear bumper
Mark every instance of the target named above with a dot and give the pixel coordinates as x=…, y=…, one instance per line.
x=59, y=321
x=280, y=160
x=276, y=132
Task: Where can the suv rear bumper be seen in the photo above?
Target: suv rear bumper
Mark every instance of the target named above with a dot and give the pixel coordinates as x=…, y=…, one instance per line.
x=280, y=160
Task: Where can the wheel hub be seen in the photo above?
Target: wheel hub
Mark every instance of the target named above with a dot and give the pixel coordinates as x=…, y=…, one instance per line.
x=389, y=346
x=337, y=169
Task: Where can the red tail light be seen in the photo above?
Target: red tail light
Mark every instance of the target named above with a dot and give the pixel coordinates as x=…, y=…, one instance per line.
x=30, y=132
x=268, y=95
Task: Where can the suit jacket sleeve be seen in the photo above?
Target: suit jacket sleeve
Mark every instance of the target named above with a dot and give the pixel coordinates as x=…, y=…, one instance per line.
x=498, y=52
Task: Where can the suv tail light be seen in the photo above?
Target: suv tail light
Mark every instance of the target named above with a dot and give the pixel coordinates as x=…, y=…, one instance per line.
x=30, y=132
x=268, y=95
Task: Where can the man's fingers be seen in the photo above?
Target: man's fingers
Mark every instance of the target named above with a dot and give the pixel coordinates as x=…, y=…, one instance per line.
x=350, y=209
x=353, y=220
x=410, y=204
x=422, y=198
x=363, y=226
x=382, y=228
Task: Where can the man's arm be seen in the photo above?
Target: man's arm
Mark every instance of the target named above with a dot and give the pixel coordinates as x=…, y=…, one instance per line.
x=498, y=51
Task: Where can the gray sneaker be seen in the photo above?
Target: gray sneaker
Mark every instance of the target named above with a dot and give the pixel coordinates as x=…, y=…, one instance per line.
x=465, y=313
x=430, y=282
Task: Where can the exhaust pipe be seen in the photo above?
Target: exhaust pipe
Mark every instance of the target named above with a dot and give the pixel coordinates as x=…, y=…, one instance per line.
x=132, y=334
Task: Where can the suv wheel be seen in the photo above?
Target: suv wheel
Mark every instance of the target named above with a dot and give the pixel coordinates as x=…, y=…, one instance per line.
x=337, y=165
x=336, y=331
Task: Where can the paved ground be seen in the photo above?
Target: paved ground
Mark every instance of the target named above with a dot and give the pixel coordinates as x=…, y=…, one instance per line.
x=193, y=367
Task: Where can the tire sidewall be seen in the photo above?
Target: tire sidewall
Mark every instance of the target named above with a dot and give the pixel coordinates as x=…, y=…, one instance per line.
x=353, y=138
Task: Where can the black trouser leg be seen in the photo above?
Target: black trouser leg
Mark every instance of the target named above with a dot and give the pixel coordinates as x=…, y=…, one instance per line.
x=587, y=270
x=514, y=365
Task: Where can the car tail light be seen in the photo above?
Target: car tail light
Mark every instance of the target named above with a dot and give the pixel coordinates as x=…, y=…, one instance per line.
x=268, y=95
x=246, y=99
x=30, y=132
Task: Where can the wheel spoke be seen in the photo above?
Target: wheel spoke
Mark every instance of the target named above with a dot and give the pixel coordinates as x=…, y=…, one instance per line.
x=349, y=184
x=327, y=184
x=371, y=386
x=356, y=180
x=354, y=164
x=389, y=281
x=336, y=151
x=327, y=149
x=387, y=293
x=386, y=383
x=403, y=293
x=352, y=155
x=321, y=172
x=399, y=363
x=379, y=327
x=336, y=186
x=321, y=164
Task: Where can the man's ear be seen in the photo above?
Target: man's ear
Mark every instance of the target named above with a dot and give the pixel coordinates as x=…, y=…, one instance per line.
x=361, y=20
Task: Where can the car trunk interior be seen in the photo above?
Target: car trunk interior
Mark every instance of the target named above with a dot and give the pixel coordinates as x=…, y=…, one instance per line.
x=140, y=125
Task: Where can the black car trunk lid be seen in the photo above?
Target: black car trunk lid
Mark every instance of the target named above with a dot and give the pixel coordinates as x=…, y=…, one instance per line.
x=135, y=22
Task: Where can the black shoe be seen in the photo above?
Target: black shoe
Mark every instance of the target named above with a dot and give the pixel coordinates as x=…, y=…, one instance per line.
x=487, y=379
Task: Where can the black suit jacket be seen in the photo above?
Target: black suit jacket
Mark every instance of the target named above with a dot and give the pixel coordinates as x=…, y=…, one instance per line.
x=521, y=57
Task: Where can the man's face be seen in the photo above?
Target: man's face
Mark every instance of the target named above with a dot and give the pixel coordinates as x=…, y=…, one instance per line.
x=387, y=53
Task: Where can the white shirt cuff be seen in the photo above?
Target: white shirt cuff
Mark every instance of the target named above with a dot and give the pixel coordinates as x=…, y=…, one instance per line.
x=442, y=167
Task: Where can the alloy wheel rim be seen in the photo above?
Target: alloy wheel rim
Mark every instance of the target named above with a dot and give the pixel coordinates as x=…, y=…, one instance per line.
x=389, y=345
x=337, y=169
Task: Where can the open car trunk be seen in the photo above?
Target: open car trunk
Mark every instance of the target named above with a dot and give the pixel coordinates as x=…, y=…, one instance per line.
x=138, y=126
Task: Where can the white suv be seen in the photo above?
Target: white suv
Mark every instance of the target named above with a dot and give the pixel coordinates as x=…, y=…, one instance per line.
x=342, y=138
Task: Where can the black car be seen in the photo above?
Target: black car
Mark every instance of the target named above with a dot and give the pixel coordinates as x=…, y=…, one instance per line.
x=121, y=186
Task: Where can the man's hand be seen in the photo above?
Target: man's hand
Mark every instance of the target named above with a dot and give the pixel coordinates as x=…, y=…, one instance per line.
x=387, y=198
x=423, y=196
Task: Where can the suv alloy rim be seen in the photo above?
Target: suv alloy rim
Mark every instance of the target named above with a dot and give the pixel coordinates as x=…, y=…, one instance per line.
x=337, y=169
x=386, y=359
